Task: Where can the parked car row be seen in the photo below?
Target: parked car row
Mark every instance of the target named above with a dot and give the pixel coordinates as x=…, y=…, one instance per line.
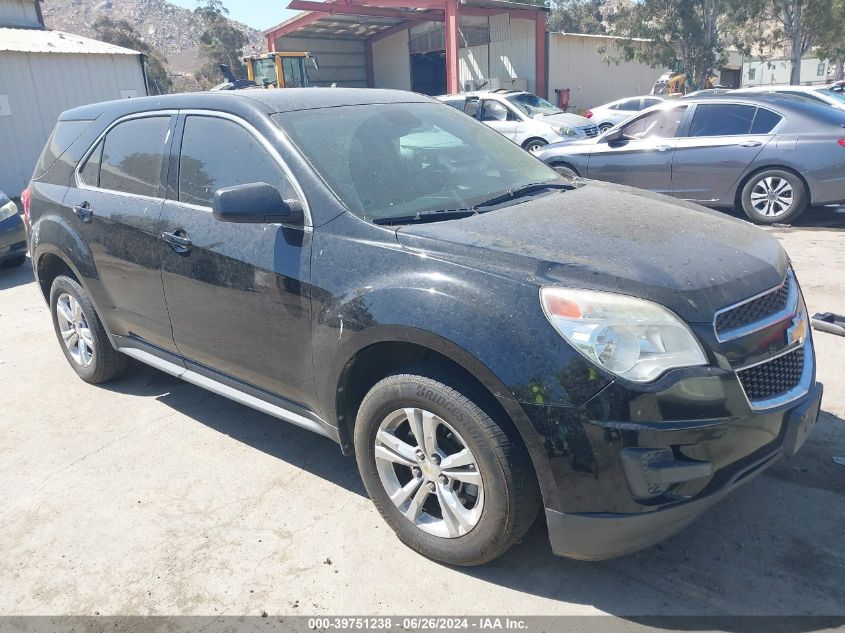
x=485, y=337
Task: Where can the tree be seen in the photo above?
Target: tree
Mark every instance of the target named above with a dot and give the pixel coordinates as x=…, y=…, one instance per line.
x=685, y=35
x=220, y=42
x=577, y=16
x=797, y=25
x=122, y=33
x=832, y=39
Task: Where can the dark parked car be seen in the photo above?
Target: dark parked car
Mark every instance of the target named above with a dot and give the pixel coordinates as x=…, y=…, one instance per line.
x=381, y=269
x=12, y=233
x=769, y=155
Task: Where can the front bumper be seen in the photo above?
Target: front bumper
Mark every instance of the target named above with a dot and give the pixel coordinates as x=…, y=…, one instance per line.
x=601, y=535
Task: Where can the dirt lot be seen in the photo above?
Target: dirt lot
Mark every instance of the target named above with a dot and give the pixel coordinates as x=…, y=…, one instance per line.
x=151, y=496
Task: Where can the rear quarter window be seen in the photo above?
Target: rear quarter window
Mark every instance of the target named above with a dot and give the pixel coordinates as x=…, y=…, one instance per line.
x=62, y=137
x=765, y=121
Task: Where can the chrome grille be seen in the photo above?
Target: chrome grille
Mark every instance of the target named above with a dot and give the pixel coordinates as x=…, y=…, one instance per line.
x=590, y=130
x=758, y=312
x=774, y=377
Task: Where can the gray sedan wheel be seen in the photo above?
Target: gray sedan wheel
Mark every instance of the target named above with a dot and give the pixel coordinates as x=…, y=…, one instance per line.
x=774, y=195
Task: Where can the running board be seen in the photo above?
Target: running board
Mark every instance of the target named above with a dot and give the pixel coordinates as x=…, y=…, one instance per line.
x=225, y=390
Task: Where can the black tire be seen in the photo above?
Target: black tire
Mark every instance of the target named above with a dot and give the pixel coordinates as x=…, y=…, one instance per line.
x=767, y=179
x=106, y=362
x=534, y=144
x=604, y=127
x=511, y=495
x=14, y=262
x=565, y=171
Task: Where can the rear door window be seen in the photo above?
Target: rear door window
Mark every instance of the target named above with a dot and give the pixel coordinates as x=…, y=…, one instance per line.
x=219, y=153
x=722, y=119
x=133, y=154
x=63, y=136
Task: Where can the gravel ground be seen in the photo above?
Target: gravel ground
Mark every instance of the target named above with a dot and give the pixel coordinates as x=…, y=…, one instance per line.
x=152, y=496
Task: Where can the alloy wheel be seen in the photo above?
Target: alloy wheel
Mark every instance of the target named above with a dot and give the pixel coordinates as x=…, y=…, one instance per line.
x=74, y=329
x=772, y=196
x=429, y=472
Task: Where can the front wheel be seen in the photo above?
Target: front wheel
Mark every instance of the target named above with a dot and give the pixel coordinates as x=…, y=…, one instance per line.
x=604, y=127
x=534, y=145
x=774, y=195
x=447, y=478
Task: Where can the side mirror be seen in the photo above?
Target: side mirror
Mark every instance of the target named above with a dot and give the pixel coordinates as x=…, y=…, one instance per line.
x=255, y=203
x=613, y=135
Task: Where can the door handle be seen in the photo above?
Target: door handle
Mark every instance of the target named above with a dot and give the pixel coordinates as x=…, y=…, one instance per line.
x=750, y=144
x=178, y=241
x=84, y=212
x=663, y=148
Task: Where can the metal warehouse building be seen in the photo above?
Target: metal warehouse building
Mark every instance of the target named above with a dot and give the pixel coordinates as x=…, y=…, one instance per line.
x=43, y=73
x=439, y=46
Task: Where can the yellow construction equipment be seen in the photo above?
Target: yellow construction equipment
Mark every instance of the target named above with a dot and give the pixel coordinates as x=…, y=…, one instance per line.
x=279, y=70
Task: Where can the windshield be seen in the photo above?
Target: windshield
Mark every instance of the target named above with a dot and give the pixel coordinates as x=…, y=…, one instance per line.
x=838, y=96
x=532, y=105
x=400, y=159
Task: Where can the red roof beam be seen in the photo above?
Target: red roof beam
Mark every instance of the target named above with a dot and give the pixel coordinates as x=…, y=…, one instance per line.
x=402, y=4
x=323, y=8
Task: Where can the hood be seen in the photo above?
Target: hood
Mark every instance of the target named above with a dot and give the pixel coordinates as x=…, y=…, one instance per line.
x=618, y=239
x=565, y=118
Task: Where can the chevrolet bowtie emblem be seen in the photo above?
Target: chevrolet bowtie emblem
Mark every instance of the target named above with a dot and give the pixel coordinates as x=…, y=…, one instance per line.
x=797, y=331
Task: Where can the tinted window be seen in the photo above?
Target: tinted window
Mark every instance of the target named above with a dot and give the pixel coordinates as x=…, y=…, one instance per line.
x=217, y=153
x=718, y=119
x=658, y=124
x=632, y=105
x=63, y=136
x=133, y=154
x=647, y=103
x=765, y=121
x=90, y=173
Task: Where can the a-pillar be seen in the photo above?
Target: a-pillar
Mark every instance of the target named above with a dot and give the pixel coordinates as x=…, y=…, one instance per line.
x=452, y=78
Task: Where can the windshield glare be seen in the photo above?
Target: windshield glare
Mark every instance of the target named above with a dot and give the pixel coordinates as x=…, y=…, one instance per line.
x=399, y=159
x=532, y=105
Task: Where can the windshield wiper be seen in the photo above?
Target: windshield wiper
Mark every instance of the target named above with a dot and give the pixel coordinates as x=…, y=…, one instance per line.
x=426, y=216
x=522, y=190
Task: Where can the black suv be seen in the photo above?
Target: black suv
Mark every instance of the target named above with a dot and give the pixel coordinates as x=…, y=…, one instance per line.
x=483, y=335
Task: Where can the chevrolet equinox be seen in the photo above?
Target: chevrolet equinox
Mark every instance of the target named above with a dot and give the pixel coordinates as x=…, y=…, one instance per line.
x=484, y=336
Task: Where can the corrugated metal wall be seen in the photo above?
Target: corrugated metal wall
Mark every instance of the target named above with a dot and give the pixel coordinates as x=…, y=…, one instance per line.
x=341, y=61
x=39, y=87
x=514, y=57
x=474, y=63
x=392, y=62
x=576, y=63
x=18, y=13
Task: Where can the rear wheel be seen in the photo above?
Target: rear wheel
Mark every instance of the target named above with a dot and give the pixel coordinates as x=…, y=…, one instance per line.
x=534, y=145
x=445, y=476
x=774, y=195
x=81, y=334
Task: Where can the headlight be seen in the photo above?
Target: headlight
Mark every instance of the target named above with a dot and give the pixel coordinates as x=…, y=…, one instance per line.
x=565, y=131
x=8, y=210
x=633, y=338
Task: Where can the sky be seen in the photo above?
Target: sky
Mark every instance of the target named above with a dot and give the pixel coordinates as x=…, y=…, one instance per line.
x=259, y=14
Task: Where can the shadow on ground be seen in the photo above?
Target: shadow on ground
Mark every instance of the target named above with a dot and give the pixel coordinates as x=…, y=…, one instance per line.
x=755, y=553
x=813, y=218
x=16, y=276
